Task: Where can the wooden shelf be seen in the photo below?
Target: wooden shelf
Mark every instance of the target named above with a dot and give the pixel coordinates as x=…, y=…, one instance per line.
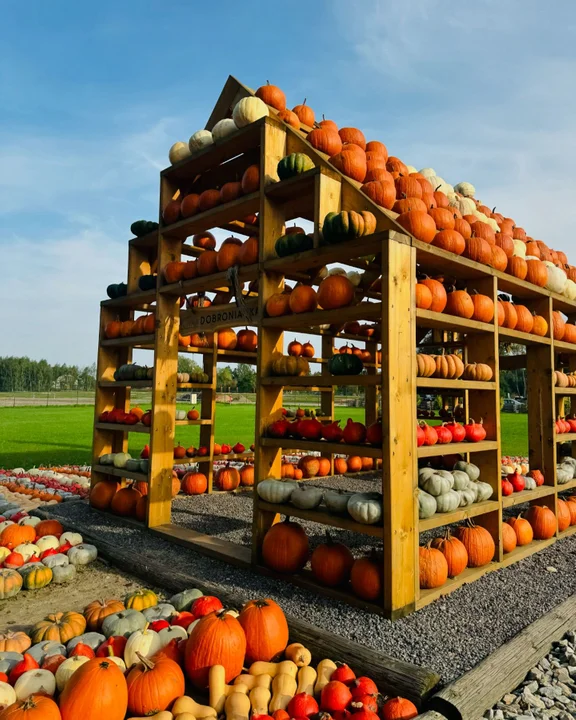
x=119, y=472
x=570, y=485
x=523, y=551
x=131, y=341
x=184, y=423
x=222, y=214
x=565, y=347
x=441, y=519
x=468, y=575
x=323, y=380
x=525, y=496
x=363, y=311
x=322, y=446
x=442, y=321
x=522, y=338
x=455, y=385
x=208, y=283
x=564, y=391
x=324, y=518
x=564, y=437
x=137, y=300
x=456, y=448
x=125, y=383
x=215, y=458
x=119, y=427
x=295, y=188
x=567, y=533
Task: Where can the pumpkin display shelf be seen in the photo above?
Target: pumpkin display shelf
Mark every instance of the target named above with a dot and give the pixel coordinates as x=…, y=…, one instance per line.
x=266, y=151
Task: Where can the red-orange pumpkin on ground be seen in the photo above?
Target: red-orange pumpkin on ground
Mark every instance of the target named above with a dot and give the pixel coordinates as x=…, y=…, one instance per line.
x=153, y=685
x=478, y=542
x=331, y=563
x=194, y=483
x=266, y=630
x=366, y=577
x=101, y=494
x=218, y=639
x=96, y=690
x=542, y=520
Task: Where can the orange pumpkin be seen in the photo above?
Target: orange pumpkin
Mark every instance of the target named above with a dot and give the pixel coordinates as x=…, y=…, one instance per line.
x=305, y=114
x=450, y=240
x=353, y=135
x=505, y=242
x=278, y=304
x=266, y=630
x=460, y=303
x=285, y=547
x=227, y=256
x=96, y=690
x=439, y=295
x=517, y=267
x=325, y=140
x=335, y=291
x=230, y=191
x=124, y=501
x=419, y=224
x=153, y=685
x=194, y=483
x=217, y=639
x=525, y=319
x=205, y=240
x=227, y=339
x=443, y=218
x=433, y=567
x=509, y=539
x=248, y=254
x=247, y=475
x=563, y=515
x=102, y=493
x=209, y=199
x=251, y=179
x=34, y=707
x=227, y=478
x=543, y=522
x=331, y=563
x=559, y=325
x=190, y=205
x=478, y=542
x=14, y=535
x=289, y=117
x=49, y=527
x=423, y=296
x=366, y=578
x=341, y=466
x=303, y=299
x=454, y=552
x=354, y=463
x=207, y=262
x=247, y=340
x=540, y=326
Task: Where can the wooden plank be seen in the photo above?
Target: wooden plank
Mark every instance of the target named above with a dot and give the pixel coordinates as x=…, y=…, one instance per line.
x=321, y=446
x=504, y=669
x=327, y=198
x=162, y=435
x=327, y=398
x=564, y=437
x=441, y=519
x=323, y=381
x=223, y=316
x=208, y=410
x=131, y=341
x=454, y=385
x=562, y=392
x=522, y=338
x=363, y=311
x=525, y=496
x=324, y=518
x=117, y=427
x=399, y=462
x=140, y=300
x=443, y=321
x=205, y=283
x=272, y=218
x=393, y=677
x=453, y=448
x=118, y=472
x=564, y=347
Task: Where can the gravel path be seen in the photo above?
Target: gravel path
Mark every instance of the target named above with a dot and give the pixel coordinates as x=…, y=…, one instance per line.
x=549, y=690
x=449, y=636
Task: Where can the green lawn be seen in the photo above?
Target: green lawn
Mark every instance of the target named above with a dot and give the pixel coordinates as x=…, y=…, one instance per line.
x=59, y=435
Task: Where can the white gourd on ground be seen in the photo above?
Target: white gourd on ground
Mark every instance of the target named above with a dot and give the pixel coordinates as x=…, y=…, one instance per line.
x=47, y=542
x=35, y=682
x=200, y=139
x=7, y=695
x=145, y=642
x=27, y=550
x=71, y=537
x=67, y=669
x=82, y=554
x=58, y=560
x=426, y=504
x=162, y=611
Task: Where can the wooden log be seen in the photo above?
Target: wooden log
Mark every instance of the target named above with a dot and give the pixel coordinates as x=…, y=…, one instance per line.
x=392, y=676
x=479, y=689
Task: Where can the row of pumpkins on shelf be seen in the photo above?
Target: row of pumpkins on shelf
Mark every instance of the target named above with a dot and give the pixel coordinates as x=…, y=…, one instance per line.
x=564, y=379
x=565, y=470
x=227, y=339
x=353, y=433
x=450, y=432
x=317, y=466
x=429, y=208
x=364, y=508
x=451, y=367
x=232, y=252
x=513, y=482
x=473, y=546
x=444, y=491
x=35, y=553
x=136, y=657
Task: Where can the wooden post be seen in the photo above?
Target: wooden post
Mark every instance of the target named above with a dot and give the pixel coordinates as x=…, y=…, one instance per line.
x=327, y=398
x=267, y=461
x=399, y=460
x=327, y=192
x=208, y=409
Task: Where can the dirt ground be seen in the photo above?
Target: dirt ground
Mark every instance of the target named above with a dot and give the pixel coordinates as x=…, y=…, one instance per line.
x=95, y=581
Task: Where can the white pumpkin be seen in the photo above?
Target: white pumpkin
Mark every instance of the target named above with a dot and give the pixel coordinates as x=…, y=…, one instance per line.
x=562, y=476
x=47, y=542
x=485, y=491
x=4, y=524
x=146, y=642
x=365, y=508
x=192, y=626
x=34, y=682
x=570, y=460
x=248, y=110
x=117, y=661
x=200, y=139
x=464, y=205
x=448, y=501
x=31, y=520
x=473, y=489
x=337, y=271
x=58, y=560
x=433, y=482
x=570, y=289
x=27, y=550
x=178, y=151
x=473, y=471
x=466, y=189
x=223, y=129
x=92, y=639
x=82, y=554
x=7, y=695
x=556, y=277
x=461, y=480
x=162, y=611
x=121, y=458
x=354, y=276
x=67, y=669
x=438, y=183
x=411, y=169
x=4, y=552
x=70, y=537
x=174, y=632
x=306, y=498
x=426, y=504
x=467, y=497
x=428, y=172
x=276, y=491
x=529, y=483
x=519, y=248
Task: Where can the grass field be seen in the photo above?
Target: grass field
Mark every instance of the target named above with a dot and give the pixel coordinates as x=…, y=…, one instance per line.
x=59, y=435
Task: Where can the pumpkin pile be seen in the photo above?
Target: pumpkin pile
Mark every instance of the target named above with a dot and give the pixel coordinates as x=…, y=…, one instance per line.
x=564, y=379
x=48, y=485
x=449, y=432
x=122, y=659
x=334, y=292
x=35, y=553
x=232, y=252
x=128, y=501
x=353, y=433
x=516, y=482
x=451, y=367
x=444, y=491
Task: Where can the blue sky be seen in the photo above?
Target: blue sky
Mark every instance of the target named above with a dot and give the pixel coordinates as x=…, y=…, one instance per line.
x=94, y=95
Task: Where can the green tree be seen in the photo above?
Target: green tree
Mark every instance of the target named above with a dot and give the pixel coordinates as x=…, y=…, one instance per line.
x=225, y=381
x=245, y=378
x=187, y=365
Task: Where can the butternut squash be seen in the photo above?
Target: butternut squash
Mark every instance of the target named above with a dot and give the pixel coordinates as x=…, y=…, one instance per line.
x=284, y=689
x=237, y=706
x=218, y=690
x=306, y=679
x=186, y=704
x=325, y=669
x=259, y=700
x=299, y=655
x=163, y=715
x=286, y=667
x=184, y=716
x=253, y=681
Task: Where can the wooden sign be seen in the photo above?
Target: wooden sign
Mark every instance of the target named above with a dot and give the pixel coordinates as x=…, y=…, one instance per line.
x=212, y=319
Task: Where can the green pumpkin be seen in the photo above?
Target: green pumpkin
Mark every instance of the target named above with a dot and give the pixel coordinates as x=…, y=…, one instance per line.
x=294, y=164
x=345, y=364
x=293, y=243
x=143, y=227
x=116, y=290
x=35, y=576
x=346, y=225
x=147, y=282
x=183, y=600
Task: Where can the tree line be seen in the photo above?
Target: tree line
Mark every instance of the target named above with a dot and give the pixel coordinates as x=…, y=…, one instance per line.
x=21, y=374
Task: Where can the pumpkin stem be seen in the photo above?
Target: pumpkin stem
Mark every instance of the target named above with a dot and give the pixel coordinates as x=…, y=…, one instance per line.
x=148, y=664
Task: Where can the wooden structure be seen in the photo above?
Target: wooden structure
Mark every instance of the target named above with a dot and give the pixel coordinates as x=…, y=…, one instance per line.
x=393, y=261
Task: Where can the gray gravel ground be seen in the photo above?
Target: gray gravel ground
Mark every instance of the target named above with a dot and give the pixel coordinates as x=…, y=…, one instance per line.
x=549, y=690
x=449, y=636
